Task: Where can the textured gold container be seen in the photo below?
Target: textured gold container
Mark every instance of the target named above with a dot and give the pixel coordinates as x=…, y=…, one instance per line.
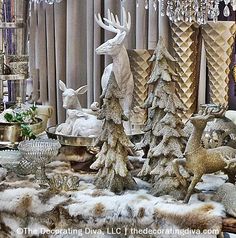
x=185, y=43
x=10, y=133
x=219, y=39
x=141, y=69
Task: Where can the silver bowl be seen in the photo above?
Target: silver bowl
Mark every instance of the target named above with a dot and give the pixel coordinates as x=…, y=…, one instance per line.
x=39, y=152
x=70, y=140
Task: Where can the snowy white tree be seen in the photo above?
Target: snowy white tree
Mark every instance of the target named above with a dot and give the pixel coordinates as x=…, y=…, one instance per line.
x=112, y=161
x=163, y=131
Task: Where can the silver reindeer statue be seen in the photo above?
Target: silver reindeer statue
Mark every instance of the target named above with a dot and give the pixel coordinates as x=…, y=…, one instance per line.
x=116, y=49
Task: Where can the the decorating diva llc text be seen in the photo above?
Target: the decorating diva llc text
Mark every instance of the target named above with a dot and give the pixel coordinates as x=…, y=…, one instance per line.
x=114, y=231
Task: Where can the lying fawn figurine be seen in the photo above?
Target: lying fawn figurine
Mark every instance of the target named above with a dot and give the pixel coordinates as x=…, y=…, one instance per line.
x=80, y=121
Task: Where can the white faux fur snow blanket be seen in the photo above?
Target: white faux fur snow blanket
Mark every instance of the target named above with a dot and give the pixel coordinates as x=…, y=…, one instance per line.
x=134, y=214
x=26, y=210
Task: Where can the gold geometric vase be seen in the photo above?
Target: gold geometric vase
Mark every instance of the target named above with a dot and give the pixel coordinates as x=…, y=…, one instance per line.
x=141, y=69
x=219, y=39
x=186, y=50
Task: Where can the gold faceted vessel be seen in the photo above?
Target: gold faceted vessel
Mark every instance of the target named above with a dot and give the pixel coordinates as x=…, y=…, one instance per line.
x=219, y=40
x=186, y=46
x=141, y=67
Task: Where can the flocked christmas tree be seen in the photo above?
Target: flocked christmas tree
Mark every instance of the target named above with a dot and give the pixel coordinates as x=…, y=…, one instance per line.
x=163, y=130
x=112, y=161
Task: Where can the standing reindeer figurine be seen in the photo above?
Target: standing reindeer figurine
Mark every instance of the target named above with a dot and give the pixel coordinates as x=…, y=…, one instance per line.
x=198, y=160
x=116, y=49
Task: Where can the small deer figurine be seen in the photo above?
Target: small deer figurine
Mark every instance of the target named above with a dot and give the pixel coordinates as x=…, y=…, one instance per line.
x=116, y=49
x=198, y=160
x=80, y=121
x=70, y=96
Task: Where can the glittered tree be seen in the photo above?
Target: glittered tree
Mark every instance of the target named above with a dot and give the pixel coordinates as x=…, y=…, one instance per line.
x=163, y=130
x=112, y=161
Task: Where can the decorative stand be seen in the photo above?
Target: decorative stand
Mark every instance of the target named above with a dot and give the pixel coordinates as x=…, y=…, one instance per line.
x=79, y=151
x=14, y=79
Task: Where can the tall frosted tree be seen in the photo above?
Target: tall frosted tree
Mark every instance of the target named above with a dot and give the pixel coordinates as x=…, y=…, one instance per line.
x=112, y=161
x=163, y=131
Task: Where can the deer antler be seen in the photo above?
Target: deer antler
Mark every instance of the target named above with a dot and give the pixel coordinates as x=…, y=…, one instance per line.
x=99, y=21
x=114, y=24
x=213, y=111
x=205, y=111
x=221, y=111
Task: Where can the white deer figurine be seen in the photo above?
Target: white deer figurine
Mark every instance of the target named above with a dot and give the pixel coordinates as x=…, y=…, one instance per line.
x=116, y=49
x=70, y=96
x=80, y=121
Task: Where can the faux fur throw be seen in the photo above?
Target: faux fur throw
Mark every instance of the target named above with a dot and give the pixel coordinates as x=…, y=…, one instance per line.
x=135, y=213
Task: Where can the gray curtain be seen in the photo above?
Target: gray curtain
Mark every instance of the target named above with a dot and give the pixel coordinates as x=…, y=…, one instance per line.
x=63, y=38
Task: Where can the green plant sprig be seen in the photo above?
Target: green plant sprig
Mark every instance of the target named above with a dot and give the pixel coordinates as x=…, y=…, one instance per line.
x=22, y=118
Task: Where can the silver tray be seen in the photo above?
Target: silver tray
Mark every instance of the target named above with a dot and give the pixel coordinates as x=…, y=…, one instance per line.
x=11, y=25
x=70, y=140
x=12, y=77
x=9, y=157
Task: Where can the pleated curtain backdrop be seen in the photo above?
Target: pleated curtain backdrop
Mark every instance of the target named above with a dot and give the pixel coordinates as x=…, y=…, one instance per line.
x=63, y=38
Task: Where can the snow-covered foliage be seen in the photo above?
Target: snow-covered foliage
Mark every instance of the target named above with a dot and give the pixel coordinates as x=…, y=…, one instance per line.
x=112, y=161
x=163, y=131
